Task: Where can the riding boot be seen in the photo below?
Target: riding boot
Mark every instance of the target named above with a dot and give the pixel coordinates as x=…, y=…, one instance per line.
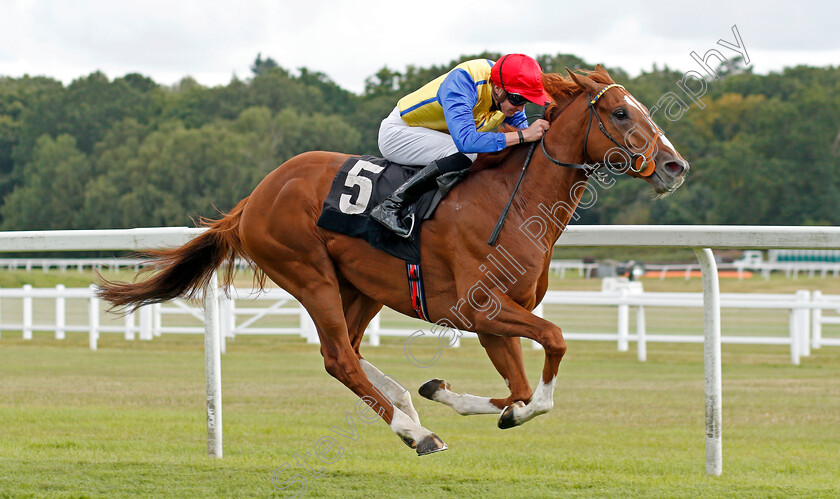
x=388, y=212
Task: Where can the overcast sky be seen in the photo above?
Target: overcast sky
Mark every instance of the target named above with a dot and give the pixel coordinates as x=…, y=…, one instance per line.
x=349, y=40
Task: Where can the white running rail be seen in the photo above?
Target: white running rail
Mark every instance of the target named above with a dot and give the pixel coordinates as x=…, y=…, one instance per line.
x=698, y=237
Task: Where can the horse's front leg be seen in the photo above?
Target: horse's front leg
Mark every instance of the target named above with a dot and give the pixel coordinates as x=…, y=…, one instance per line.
x=392, y=389
x=513, y=320
x=506, y=355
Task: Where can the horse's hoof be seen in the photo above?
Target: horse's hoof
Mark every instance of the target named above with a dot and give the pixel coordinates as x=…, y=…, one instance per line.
x=430, y=444
x=506, y=419
x=409, y=442
x=430, y=387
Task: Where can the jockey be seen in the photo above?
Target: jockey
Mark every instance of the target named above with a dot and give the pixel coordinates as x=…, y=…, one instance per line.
x=450, y=119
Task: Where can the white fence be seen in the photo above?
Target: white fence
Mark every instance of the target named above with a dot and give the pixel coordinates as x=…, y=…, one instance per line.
x=242, y=311
x=791, y=262
x=701, y=239
x=559, y=267
x=62, y=264
x=80, y=264
x=791, y=269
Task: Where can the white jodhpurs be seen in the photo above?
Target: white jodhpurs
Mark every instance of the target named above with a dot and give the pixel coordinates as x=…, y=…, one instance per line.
x=413, y=145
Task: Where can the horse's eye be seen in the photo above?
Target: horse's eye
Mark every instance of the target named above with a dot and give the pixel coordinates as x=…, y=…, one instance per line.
x=620, y=114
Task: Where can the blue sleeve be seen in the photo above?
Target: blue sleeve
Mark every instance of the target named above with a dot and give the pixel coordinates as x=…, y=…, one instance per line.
x=519, y=120
x=458, y=96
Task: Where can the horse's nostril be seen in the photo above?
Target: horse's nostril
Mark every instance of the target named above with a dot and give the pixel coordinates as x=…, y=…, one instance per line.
x=674, y=168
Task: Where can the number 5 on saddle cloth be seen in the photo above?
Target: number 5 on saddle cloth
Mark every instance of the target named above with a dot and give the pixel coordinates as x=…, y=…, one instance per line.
x=361, y=183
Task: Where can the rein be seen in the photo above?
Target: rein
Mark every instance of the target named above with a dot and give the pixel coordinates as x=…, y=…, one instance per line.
x=643, y=164
x=503, y=216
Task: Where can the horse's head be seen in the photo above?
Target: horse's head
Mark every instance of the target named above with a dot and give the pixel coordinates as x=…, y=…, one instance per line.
x=626, y=139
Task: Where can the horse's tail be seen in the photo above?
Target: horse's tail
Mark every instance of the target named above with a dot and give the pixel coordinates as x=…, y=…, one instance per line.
x=185, y=271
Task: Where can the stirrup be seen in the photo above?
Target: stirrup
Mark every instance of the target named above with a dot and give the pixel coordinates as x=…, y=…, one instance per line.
x=391, y=220
x=410, y=229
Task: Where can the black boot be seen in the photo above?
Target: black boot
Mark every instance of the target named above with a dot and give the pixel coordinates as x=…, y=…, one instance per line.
x=388, y=212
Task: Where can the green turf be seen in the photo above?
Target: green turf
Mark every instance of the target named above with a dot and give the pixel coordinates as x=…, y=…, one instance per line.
x=128, y=420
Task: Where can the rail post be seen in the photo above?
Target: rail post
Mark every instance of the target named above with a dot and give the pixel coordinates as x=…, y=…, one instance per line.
x=213, y=367
x=146, y=322
x=641, y=338
x=157, y=319
x=816, y=321
x=129, y=325
x=60, y=308
x=623, y=321
x=94, y=318
x=373, y=330
x=27, y=312
x=795, y=344
x=711, y=361
x=803, y=298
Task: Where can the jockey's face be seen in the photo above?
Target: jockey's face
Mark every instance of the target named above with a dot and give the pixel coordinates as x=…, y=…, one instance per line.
x=504, y=103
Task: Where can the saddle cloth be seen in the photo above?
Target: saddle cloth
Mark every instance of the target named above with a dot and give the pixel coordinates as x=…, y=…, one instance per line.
x=363, y=182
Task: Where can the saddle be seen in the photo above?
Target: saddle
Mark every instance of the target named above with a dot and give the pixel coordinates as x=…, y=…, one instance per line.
x=363, y=182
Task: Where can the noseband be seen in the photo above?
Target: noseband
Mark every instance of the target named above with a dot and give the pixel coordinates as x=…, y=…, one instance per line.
x=642, y=163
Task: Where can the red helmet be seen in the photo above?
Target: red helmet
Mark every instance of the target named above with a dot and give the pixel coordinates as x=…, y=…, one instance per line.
x=520, y=74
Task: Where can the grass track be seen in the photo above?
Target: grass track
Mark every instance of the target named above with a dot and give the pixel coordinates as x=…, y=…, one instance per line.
x=128, y=420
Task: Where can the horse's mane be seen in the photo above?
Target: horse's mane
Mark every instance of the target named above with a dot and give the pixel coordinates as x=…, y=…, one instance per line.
x=562, y=90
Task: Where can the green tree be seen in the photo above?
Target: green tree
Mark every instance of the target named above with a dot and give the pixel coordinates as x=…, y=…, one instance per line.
x=384, y=82
x=52, y=192
x=130, y=152
x=336, y=100
x=260, y=65
x=300, y=133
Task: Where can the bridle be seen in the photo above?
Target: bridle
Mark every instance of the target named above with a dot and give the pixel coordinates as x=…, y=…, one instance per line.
x=642, y=163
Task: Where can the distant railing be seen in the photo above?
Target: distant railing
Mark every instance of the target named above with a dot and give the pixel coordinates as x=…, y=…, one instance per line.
x=700, y=239
x=62, y=264
x=791, y=268
x=80, y=264
x=803, y=255
x=559, y=267
x=242, y=311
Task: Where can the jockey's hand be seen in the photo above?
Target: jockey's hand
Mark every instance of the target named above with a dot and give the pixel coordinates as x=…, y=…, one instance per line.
x=535, y=132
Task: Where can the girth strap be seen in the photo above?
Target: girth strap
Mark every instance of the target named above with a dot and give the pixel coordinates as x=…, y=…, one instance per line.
x=417, y=291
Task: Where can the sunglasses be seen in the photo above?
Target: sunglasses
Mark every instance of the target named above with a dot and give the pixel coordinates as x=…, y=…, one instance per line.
x=516, y=99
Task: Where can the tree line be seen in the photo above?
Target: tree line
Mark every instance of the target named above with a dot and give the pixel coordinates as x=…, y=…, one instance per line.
x=129, y=152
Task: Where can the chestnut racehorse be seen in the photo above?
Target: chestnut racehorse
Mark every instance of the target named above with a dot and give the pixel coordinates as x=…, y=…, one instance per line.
x=343, y=282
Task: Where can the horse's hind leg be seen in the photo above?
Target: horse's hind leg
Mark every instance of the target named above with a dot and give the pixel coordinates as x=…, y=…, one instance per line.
x=342, y=363
x=359, y=309
x=317, y=290
x=506, y=355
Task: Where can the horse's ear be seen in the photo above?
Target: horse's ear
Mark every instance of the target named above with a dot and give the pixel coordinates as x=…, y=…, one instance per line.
x=552, y=112
x=586, y=83
x=600, y=69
